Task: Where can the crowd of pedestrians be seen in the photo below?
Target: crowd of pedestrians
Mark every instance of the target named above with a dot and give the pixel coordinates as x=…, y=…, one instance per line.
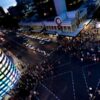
x=26, y=89
x=86, y=47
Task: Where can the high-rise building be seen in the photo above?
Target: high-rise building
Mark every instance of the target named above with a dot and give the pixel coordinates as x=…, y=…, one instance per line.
x=52, y=8
x=9, y=75
x=62, y=17
x=45, y=8
x=2, y=13
x=73, y=4
x=60, y=6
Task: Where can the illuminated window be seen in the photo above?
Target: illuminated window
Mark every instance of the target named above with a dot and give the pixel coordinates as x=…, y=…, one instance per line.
x=50, y=9
x=70, y=4
x=5, y=88
x=8, y=74
x=45, y=14
x=2, y=86
x=1, y=76
x=7, y=81
x=9, y=84
x=4, y=79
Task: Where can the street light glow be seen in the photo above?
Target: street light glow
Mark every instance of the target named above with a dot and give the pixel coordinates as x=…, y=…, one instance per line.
x=98, y=25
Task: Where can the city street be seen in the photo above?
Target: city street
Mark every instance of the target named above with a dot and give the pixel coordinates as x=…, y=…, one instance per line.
x=70, y=79
x=50, y=50
x=74, y=75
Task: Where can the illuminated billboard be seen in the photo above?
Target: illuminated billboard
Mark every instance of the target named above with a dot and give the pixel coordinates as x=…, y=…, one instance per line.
x=9, y=75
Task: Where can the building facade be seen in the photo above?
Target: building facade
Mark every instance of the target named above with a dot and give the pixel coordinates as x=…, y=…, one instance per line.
x=70, y=18
x=73, y=4
x=9, y=75
x=2, y=13
x=45, y=8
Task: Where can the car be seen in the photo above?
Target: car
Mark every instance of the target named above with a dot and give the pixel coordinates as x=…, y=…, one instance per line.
x=27, y=44
x=38, y=38
x=38, y=50
x=33, y=36
x=32, y=47
x=41, y=42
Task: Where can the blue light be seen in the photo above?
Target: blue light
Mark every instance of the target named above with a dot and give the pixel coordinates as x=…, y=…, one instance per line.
x=8, y=74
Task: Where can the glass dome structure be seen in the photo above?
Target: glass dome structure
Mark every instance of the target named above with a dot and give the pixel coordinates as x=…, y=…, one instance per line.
x=9, y=75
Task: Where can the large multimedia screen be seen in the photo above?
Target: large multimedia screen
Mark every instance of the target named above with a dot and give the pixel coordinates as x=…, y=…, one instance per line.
x=8, y=74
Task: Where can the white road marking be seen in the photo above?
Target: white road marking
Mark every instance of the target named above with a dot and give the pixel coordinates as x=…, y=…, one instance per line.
x=57, y=98
x=73, y=85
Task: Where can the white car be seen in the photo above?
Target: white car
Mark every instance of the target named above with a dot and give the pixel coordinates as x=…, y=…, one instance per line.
x=32, y=47
x=27, y=45
x=38, y=38
x=42, y=39
x=41, y=42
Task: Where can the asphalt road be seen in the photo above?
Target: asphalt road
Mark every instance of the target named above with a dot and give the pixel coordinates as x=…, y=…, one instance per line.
x=71, y=79
x=24, y=54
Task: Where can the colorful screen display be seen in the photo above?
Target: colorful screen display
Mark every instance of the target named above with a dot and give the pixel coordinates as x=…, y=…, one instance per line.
x=8, y=74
